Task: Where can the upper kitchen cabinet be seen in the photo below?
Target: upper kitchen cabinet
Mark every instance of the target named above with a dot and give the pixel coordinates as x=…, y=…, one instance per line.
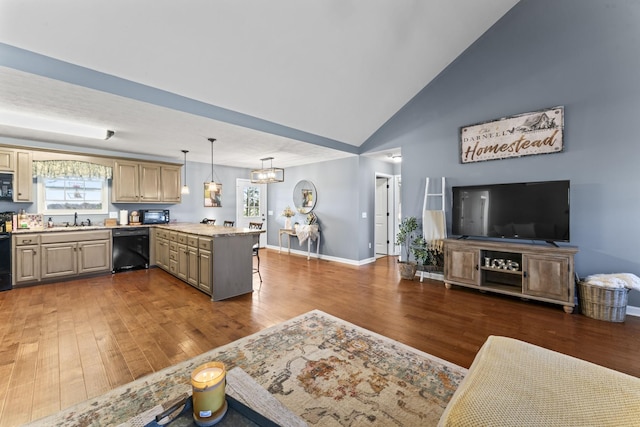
x=6, y=160
x=138, y=182
x=171, y=184
x=18, y=162
x=23, y=177
x=150, y=183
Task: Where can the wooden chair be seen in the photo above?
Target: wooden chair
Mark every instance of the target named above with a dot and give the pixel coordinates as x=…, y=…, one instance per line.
x=229, y=223
x=256, y=248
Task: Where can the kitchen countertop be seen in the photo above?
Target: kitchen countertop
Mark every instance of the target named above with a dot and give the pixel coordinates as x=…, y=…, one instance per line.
x=183, y=227
x=208, y=230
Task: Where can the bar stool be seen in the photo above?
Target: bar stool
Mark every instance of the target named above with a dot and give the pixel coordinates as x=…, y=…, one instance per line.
x=256, y=248
x=229, y=223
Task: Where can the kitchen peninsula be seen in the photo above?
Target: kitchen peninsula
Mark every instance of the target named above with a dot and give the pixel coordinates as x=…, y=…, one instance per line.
x=214, y=259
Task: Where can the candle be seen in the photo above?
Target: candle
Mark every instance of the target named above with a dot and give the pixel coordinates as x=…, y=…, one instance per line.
x=208, y=384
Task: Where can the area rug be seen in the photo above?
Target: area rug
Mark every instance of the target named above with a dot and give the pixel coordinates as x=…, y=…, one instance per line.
x=327, y=371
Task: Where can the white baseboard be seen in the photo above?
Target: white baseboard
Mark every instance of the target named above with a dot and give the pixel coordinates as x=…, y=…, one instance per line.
x=633, y=311
x=324, y=257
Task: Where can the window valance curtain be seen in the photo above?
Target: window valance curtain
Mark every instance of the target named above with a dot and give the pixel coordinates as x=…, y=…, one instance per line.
x=71, y=169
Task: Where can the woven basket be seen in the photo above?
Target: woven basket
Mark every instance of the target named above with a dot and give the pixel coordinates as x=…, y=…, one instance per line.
x=602, y=303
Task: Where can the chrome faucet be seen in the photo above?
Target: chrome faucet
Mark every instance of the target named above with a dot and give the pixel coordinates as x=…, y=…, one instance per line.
x=75, y=219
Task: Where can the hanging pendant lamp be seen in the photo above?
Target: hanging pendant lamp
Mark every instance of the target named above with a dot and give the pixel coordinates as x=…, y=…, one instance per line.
x=267, y=175
x=185, y=187
x=212, y=185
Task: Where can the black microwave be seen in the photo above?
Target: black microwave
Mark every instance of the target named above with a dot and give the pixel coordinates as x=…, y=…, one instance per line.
x=154, y=216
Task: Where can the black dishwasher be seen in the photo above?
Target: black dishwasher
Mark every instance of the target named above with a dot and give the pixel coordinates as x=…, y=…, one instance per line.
x=130, y=248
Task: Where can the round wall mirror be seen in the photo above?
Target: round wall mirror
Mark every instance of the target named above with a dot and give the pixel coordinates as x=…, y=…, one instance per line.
x=304, y=196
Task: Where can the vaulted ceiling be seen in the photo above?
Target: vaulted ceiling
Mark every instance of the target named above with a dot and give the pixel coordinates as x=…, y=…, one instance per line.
x=298, y=81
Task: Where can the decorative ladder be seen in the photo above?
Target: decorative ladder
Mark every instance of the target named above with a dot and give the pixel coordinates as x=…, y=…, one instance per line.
x=426, y=204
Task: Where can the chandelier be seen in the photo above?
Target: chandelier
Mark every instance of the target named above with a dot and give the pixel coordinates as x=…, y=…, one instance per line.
x=267, y=175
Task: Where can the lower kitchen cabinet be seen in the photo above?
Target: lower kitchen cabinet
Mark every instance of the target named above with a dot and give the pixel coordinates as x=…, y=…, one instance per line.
x=184, y=261
x=59, y=259
x=26, y=260
x=57, y=255
x=205, y=264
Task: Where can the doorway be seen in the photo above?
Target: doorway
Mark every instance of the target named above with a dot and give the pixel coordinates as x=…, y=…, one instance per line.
x=385, y=213
x=251, y=205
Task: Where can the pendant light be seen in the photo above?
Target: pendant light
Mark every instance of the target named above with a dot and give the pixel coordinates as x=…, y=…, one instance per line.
x=212, y=186
x=267, y=175
x=185, y=187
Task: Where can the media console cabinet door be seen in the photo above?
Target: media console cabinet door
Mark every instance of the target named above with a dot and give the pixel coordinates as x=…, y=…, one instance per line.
x=547, y=277
x=461, y=265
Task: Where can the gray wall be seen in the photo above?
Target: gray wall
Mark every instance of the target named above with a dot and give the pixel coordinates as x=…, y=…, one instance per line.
x=543, y=53
x=336, y=208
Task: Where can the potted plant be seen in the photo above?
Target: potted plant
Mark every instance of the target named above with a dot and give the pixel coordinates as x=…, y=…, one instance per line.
x=405, y=238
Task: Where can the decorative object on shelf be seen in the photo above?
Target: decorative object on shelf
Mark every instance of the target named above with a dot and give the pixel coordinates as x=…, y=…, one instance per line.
x=212, y=199
x=212, y=185
x=287, y=213
x=267, y=175
x=538, y=132
x=405, y=238
x=304, y=196
x=185, y=187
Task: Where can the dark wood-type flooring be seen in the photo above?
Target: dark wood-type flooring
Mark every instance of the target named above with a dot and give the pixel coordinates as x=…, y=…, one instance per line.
x=63, y=343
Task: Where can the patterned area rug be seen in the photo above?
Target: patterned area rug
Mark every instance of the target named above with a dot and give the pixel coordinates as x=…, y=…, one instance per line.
x=328, y=371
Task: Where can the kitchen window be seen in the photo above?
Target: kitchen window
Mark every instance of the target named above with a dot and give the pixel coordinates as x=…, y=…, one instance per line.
x=66, y=196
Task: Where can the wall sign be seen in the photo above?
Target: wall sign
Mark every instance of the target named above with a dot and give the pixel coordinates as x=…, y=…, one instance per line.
x=538, y=132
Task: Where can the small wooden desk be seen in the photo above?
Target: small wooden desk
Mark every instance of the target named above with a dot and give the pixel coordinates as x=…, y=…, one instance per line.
x=291, y=232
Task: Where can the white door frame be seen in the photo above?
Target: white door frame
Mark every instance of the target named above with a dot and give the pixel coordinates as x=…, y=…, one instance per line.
x=241, y=220
x=392, y=203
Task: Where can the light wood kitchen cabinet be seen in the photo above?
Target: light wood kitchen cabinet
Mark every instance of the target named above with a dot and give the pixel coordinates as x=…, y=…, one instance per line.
x=71, y=253
x=26, y=266
x=187, y=254
x=150, y=184
x=6, y=160
x=162, y=251
x=94, y=256
x=205, y=265
x=170, y=184
x=23, y=177
x=136, y=182
x=182, y=270
x=193, y=261
x=57, y=255
x=59, y=259
x=189, y=257
x=530, y=271
x=126, y=182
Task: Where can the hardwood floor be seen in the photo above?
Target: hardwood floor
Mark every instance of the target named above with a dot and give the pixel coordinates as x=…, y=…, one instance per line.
x=63, y=343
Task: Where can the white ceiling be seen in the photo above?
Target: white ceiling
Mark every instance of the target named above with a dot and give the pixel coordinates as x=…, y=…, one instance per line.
x=338, y=69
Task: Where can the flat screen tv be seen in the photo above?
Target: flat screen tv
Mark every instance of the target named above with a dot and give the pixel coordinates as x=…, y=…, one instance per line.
x=527, y=210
